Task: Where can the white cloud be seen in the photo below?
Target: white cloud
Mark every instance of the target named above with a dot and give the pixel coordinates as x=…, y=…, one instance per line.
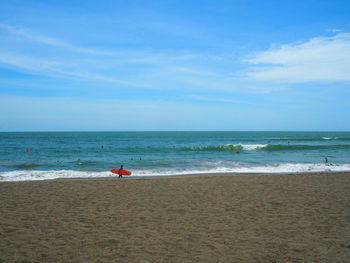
x=89, y=64
x=321, y=59
x=334, y=30
x=29, y=35
x=35, y=53
x=124, y=56
x=219, y=99
x=58, y=69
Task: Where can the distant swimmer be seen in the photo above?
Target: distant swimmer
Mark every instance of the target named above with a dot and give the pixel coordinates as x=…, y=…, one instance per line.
x=326, y=160
x=28, y=149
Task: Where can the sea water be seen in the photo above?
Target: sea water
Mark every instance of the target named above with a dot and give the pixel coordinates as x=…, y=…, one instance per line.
x=50, y=155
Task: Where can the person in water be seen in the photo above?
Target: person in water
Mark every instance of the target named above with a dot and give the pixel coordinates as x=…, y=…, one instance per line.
x=120, y=175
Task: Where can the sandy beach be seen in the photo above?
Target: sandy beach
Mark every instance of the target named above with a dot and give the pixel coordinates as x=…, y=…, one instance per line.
x=221, y=218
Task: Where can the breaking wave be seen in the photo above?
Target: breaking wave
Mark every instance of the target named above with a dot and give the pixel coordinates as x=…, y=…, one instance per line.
x=313, y=139
x=34, y=175
x=229, y=147
x=305, y=147
x=266, y=147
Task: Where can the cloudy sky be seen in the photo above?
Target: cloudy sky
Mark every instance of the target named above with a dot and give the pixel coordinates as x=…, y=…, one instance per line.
x=174, y=65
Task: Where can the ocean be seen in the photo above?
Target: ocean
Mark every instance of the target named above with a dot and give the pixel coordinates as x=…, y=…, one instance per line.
x=50, y=155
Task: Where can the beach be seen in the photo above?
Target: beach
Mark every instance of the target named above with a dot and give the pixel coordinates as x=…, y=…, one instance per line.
x=198, y=218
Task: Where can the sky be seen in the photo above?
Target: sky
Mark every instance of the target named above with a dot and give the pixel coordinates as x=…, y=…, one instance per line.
x=235, y=65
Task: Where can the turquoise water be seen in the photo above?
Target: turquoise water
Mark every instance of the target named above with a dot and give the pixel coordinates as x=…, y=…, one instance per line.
x=48, y=155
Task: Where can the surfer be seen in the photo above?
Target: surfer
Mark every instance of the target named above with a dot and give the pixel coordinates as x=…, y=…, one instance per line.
x=120, y=175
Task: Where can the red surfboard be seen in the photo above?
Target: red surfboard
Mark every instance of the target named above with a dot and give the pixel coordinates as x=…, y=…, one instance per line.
x=121, y=171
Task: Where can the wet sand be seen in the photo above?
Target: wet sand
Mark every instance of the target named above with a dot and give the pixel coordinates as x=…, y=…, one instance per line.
x=221, y=218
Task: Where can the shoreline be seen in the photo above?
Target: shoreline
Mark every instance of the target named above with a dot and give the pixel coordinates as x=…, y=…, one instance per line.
x=199, y=218
x=137, y=177
x=183, y=175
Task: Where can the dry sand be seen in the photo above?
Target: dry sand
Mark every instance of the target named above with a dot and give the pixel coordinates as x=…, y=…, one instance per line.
x=237, y=218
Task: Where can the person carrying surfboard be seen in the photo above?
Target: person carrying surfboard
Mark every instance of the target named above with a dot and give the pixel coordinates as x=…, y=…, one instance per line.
x=119, y=172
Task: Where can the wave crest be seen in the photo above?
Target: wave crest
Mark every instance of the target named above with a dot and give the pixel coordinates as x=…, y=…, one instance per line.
x=265, y=147
x=230, y=147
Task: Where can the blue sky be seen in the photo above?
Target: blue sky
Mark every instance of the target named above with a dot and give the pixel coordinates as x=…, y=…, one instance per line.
x=174, y=65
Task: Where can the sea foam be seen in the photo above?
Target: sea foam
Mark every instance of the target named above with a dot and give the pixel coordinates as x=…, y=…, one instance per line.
x=25, y=175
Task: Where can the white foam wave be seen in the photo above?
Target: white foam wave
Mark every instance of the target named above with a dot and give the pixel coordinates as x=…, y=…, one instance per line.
x=252, y=147
x=25, y=175
x=292, y=168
